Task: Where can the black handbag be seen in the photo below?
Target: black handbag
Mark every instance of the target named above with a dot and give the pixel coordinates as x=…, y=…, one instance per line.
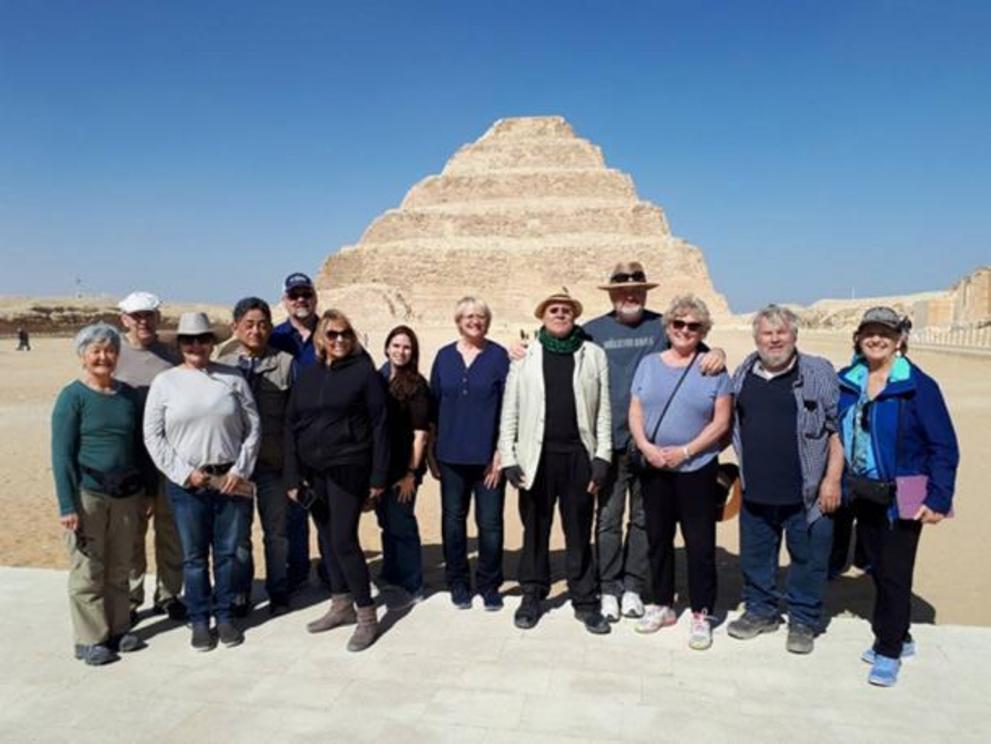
x=872, y=491
x=637, y=462
x=117, y=483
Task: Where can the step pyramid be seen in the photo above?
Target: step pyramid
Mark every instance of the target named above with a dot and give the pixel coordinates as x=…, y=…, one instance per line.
x=524, y=210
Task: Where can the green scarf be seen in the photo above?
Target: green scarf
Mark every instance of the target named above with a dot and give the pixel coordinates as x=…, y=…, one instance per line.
x=567, y=345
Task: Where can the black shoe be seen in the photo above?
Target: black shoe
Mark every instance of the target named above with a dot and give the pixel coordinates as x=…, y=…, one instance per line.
x=801, y=639
x=278, y=604
x=594, y=621
x=229, y=634
x=202, y=639
x=750, y=625
x=492, y=600
x=96, y=655
x=461, y=597
x=241, y=609
x=528, y=613
x=174, y=608
x=126, y=643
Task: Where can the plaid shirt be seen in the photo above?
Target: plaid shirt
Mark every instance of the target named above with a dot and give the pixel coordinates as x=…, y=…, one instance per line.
x=817, y=394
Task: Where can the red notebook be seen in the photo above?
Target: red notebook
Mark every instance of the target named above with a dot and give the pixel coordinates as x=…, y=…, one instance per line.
x=910, y=492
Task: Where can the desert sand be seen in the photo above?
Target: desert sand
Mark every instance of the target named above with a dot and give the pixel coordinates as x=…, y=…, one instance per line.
x=950, y=587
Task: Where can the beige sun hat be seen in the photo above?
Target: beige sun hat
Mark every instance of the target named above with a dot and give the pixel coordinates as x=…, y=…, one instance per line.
x=628, y=275
x=558, y=297
x=194, y=324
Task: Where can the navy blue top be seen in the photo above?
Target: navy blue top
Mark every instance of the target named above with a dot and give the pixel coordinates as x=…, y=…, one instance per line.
x=466, y=403
x=286, y=338
x=767, y=411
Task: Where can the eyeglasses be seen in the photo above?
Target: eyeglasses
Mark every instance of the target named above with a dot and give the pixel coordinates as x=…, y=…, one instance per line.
x=691, y=326
x=300, y=294
x=201, y=338
x=343, y=335
x=636, y=276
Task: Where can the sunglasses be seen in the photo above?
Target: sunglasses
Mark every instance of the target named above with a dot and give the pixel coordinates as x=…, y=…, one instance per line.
x=636, y=276
x=343, y=335
x=682, y=325
x=202, y=338
x=300, y=294
x=563, y=310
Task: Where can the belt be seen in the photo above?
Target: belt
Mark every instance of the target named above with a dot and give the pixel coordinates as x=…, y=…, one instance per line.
x=216, y=469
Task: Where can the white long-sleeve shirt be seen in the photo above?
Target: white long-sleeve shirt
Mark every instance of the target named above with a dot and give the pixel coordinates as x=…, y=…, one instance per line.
x=201, y=417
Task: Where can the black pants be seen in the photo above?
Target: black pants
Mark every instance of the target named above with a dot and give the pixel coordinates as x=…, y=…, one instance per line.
x=341, y=492
x=562, y=477
x=890, y=549
x=842, y=533
x=688, y=499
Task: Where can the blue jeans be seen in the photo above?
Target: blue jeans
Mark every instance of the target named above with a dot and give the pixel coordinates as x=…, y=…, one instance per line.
x=207, y=519
x=272, y=506
x=402, y=561
x=457, y=483
x=761, y=527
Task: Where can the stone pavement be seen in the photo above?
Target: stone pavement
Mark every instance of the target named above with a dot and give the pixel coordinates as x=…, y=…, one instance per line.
x=440, y=674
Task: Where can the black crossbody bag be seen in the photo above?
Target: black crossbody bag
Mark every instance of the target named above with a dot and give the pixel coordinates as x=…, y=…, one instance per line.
x=637, y=462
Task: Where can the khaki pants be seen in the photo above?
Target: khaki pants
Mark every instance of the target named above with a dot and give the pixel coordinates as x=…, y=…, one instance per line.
x=100, y=555
x=168, y=553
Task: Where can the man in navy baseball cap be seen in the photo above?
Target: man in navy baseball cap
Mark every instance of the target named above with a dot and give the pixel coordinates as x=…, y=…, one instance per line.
x=295, y=337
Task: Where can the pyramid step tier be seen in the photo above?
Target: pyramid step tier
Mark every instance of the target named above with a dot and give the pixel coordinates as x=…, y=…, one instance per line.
x=641, y=219
x=490, y=157
x=531, y=185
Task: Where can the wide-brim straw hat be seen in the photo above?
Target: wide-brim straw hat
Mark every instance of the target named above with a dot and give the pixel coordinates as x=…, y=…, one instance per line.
x=625, y=270
x=558, y=297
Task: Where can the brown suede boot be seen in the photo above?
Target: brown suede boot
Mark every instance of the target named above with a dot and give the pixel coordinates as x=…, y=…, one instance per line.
x=341, y=612
x=368, y=628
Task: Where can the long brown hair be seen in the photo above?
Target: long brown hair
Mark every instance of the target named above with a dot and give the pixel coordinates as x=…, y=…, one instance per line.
x=406, y=379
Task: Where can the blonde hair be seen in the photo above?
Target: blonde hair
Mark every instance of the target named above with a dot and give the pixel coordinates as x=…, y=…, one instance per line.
x=472, y=303
x=320, y=333
x=683, y=305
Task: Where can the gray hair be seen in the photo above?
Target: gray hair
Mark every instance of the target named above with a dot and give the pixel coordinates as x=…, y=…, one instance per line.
x=97, y=333
x=468, y=303
x=776, y=315
x=683, y=305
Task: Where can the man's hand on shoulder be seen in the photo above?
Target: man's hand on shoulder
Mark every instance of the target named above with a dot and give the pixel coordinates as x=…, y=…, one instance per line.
x=713, y=362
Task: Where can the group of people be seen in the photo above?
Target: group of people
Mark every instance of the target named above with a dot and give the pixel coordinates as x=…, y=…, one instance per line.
x=623, y=417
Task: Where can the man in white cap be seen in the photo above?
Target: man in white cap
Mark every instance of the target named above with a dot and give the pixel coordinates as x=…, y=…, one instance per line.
x=628, y=334
x=142, y=357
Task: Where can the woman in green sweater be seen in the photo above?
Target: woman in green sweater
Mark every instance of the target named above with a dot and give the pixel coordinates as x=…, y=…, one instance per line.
x=96, y=430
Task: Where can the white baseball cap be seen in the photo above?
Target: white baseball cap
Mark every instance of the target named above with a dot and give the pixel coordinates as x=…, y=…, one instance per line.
x=139, y=302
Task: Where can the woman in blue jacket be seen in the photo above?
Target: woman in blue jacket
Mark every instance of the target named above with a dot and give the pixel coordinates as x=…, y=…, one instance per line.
x=899, y=441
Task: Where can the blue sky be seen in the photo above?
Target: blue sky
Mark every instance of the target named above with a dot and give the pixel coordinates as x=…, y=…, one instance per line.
x=204, y=150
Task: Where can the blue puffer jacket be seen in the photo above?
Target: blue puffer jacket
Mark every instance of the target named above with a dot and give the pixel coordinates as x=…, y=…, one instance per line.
x=928, y=443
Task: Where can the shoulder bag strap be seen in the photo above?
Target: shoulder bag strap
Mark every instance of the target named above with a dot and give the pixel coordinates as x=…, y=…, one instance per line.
x=674, y=392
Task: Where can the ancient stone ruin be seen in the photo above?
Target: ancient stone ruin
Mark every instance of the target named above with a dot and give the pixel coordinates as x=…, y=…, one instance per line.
x=524, y=210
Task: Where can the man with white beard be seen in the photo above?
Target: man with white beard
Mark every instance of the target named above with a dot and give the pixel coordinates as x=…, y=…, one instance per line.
x=628, y=334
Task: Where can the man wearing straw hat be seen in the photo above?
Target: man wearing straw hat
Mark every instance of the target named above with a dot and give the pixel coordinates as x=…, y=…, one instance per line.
x=628, y=333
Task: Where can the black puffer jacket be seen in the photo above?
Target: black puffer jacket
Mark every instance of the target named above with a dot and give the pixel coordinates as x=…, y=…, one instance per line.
x=337, y=416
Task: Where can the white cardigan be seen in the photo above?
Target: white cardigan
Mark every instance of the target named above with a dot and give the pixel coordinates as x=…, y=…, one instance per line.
x=521, y=427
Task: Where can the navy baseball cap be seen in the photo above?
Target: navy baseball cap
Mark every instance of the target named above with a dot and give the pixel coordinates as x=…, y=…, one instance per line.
x=296, y=281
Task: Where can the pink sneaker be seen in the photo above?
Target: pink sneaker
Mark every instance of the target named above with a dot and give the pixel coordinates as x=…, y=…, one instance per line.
x=656, y=617
x=701, y=636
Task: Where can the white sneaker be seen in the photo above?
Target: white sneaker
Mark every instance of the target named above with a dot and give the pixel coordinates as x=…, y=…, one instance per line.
x=632, y=605
x=701, y=636
x=656, y=617
x=609, y=606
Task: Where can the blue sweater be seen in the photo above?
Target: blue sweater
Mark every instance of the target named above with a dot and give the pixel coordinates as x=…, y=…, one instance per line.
x=928, y=443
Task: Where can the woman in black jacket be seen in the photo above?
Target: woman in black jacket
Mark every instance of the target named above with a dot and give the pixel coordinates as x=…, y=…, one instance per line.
x=337, y=444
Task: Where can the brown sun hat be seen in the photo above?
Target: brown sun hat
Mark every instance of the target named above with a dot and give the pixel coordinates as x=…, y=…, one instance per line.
x=558, y=297
x=628, y=275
